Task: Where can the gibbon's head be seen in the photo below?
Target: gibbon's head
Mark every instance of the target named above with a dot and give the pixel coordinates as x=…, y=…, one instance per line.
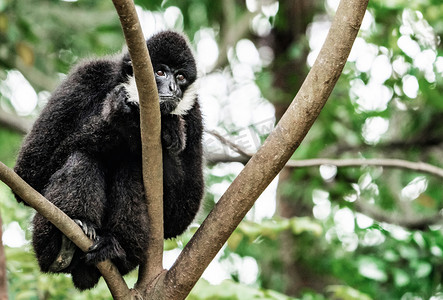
x=175, y=72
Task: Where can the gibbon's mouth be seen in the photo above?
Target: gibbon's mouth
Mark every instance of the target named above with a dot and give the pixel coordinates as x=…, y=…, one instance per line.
x=168, y=104
x=168, y=98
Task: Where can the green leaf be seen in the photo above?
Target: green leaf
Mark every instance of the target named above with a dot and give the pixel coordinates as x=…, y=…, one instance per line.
x=422, y=268
x=347, y=293
x=300, y=225
x=401, y=278
x=372, y=268
x=230, y=290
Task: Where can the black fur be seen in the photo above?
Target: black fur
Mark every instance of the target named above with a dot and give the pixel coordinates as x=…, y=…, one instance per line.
x=84, y=155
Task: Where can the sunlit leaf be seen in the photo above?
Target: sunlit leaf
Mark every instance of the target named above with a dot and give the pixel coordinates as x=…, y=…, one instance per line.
x=372, y=268
x=401, y=278
x=299, y=225
x=347, y=293
x=423, y=268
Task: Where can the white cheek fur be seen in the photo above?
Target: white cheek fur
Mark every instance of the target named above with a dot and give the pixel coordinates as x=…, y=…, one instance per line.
x=183, y=106
x=187, y=101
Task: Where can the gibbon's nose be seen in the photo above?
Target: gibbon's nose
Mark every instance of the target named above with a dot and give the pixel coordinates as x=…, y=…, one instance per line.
x=173, y=86
x=167, y=86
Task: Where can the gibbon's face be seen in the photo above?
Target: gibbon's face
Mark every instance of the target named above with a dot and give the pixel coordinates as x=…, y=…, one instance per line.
x=175, y=73
x=176, y=93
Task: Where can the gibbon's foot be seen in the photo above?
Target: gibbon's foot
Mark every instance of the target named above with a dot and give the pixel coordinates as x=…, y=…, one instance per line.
x=87, y=228
x=68, y=248
x=85, y=276
x=64, y=257
x=105, y=247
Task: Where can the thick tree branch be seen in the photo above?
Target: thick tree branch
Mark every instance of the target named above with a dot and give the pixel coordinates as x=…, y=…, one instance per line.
x=272, y=156
x=66, y=225
x=150, y=134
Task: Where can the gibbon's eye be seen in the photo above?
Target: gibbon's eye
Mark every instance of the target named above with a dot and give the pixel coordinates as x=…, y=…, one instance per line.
x=160, y=73
x=180, y=77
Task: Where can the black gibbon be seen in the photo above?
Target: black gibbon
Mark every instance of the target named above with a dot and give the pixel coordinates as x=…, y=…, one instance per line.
x=84, y=155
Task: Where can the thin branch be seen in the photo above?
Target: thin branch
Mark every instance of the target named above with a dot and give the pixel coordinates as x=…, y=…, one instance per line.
x=232, y=33
x=212, y=158
x=342, y=162
x=150, y=135
x=380, y=162
x=15, y=123
x=230, y=144
x=272, y=156
x=409, y=222
x=66, y=225
x=35, y=76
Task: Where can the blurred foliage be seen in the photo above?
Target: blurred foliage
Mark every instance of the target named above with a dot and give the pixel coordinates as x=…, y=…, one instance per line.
x=351, y=254
x=229, y=290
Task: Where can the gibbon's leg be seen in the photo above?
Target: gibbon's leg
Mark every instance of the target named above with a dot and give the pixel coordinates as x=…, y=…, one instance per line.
x=126, y=218
x=85, y=276
x=68, y=248
x=78, y=189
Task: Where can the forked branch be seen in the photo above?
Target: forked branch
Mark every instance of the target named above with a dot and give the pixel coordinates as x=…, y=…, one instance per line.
x=254, y=178
x=272, y=156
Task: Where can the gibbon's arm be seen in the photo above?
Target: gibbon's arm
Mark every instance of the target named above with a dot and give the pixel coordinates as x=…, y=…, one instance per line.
x=81, y=93
x=183, y=196
x=116, y=122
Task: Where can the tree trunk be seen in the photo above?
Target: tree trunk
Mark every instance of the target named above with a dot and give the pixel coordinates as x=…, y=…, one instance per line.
x=3, y=279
